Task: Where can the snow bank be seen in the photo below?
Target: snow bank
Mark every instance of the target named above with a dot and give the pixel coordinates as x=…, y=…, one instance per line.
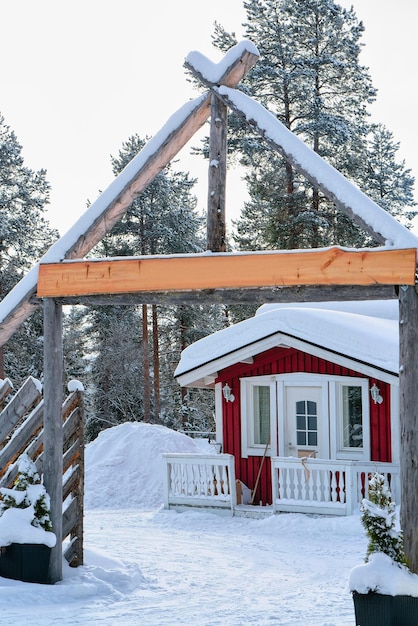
x=124, y=465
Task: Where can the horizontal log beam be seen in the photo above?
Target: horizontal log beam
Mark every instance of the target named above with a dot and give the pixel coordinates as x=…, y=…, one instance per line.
x=258, y=295
x=331, y=266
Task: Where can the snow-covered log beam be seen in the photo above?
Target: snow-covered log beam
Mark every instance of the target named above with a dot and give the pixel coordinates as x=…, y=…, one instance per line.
x=113, y=203
x=348, y=198
x=328, y=266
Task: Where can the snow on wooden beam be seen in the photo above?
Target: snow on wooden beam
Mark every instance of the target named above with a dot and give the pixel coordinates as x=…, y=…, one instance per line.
x=329, y=266
x=113, y=203
x=348, y=198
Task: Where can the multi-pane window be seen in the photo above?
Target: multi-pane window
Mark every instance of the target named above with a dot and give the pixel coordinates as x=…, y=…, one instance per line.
x=261, y=414
x=306, y=423
x=352, y=416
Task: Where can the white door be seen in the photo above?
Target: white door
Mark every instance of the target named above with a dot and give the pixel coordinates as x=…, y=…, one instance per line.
x=306, y=421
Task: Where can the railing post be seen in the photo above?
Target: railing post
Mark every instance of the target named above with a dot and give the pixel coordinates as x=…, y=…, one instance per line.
x=166, y=482
x=350, y=488
x=274, y=483
x=232, y=484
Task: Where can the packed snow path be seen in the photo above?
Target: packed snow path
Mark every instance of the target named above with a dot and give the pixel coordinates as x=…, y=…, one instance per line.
x=197, y=568
x=149, y=567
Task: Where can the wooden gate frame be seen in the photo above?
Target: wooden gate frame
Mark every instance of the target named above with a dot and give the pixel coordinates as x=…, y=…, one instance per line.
x=338, y=274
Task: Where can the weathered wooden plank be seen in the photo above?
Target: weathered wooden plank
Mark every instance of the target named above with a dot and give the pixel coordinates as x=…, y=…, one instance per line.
x=408, y=359
x=34, y=451
x=72, y=551
x=258, y=295
x=70, y=485
x=77, y=531
x=19, y=440
x=69, y=404
x=18, y=407
x=5, y=390
x=71, y=426
x=331, y=266
x=69, y=518
x=53, y=431
x=216, y=222
x=72, y=455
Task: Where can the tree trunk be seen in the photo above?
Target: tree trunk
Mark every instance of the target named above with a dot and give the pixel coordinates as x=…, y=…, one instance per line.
x=408, y=360
x=156, y=362
x=216, y=229
x=2, y=374
x=183, y=344
x=145, y=361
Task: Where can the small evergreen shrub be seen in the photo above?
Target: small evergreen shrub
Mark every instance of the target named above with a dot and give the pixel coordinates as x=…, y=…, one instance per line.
x=28, y=491
x=378, y=517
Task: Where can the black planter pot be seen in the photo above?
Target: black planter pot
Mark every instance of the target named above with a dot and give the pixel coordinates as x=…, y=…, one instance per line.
x=28, y=562
x=377, y=609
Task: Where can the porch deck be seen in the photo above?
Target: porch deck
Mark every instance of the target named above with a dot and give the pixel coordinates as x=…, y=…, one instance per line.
x=307, y=485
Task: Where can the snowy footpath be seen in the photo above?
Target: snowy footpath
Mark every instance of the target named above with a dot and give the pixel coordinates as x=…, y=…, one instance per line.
x=149, y=567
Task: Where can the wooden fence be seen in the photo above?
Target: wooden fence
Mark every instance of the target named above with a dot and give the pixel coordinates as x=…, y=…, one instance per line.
x=21, y=430
x=325, y=486
x=206, y=480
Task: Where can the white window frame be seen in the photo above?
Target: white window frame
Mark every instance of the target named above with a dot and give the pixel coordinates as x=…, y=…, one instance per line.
x=332, y=405
x=248, y=447
x=338, y=451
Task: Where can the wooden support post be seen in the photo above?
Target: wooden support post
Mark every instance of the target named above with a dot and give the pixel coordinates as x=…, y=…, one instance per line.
x=216, y=230
x=408, y=361
x=78, y=530
x=53, y=431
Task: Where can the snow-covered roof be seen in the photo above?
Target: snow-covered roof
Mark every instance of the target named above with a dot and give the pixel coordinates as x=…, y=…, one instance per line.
x=363, y=332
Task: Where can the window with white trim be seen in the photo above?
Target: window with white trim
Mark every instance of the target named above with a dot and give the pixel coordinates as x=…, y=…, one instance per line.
x=258, y=410
x=352, y=411
x=338, y=426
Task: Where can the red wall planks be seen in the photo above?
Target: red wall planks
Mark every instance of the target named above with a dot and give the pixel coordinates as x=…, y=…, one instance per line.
x=285, y=361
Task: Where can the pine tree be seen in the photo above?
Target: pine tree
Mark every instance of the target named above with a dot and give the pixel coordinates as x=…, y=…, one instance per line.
x=310, y=77
x=124, y=374
x=385, y=178
x=24, y=237
x=378, y=517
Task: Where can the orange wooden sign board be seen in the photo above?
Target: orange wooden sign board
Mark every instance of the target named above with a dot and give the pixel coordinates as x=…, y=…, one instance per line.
x=331, y=266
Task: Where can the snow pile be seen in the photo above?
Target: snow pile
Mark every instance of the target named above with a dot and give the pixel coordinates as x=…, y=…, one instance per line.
x=124, y=465
x=16, y=527
x=383, y=575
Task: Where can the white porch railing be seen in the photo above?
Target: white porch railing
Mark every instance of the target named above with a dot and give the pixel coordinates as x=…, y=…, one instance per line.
x=205, y=480
x=325, y=487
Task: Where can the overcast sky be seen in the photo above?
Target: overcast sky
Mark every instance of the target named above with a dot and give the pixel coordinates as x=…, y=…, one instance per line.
x=79, y=78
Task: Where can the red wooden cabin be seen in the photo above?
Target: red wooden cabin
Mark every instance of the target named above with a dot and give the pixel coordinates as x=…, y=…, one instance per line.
x=303, y=384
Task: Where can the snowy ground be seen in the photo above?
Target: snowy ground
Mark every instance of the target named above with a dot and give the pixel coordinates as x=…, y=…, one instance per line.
x=150, y=567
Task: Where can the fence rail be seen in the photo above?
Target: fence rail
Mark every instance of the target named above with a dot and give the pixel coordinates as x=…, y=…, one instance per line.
x=205, y=480
x=323, y=486
x=21, y=430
